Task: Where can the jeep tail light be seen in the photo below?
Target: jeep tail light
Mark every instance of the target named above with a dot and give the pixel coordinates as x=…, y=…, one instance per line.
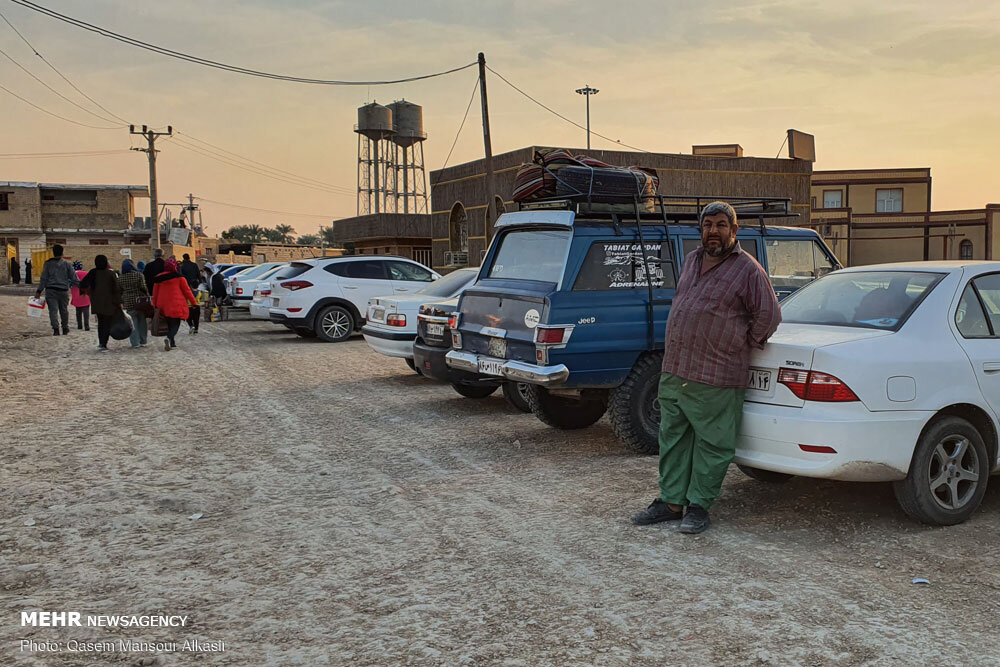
x=550, y=336
x=816, y=386
x=456, y=340
x=294, y=285
x=396, y=320
x=453, y=321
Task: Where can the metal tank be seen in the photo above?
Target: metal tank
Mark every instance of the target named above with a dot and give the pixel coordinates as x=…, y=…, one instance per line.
x=374, y=121
x=408, y=122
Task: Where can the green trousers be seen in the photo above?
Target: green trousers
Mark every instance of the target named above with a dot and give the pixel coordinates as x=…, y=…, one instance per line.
x=698, y=428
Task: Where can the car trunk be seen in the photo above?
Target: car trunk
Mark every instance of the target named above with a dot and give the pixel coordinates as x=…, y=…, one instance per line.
x=501, y=323
x=792, y=346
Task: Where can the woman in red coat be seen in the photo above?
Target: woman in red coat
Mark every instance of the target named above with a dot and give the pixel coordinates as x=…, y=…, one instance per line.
x=172, y=295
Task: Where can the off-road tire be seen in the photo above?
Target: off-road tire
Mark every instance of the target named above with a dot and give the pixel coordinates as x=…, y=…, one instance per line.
x=474, y=390
x=769, y=476
x=334, y=324
x=916, y=494
x=563, y=412
x=634, y=409
x=514, y=393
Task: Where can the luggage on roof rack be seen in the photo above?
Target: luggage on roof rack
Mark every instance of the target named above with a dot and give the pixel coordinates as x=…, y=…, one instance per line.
x=558, y=173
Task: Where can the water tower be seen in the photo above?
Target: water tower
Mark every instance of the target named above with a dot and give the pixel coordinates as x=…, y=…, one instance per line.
x=375, y=166
x=409, y=178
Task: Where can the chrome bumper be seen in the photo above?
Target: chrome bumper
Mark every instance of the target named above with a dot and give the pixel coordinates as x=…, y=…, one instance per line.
x=516, y=371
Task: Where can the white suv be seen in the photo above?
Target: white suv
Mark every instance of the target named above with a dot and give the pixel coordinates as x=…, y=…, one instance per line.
x=326, y=297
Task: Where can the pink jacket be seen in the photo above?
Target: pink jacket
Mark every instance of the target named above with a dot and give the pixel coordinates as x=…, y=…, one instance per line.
x=76, y=299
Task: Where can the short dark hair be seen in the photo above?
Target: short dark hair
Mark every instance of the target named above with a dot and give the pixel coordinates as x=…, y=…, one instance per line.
x=57, y=250
x=187, y=257
x=715, y=208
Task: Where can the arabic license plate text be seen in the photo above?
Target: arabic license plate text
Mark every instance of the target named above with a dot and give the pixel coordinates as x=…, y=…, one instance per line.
x=490, y=366
x=435, y=329
x=760, y=380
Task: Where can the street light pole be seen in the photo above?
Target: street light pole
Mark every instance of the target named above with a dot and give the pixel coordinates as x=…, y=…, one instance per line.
x=587, y=91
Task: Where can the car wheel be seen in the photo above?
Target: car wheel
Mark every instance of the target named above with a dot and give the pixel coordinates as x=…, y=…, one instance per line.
x=948, y=474
x=334, y=324
x=635, y=406
x=768, y=476
x=515, y=392
x=563, y=412
x=474, y=390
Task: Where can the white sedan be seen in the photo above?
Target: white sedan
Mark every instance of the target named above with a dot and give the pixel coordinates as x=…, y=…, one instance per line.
x=391, y=325
x=884, y=373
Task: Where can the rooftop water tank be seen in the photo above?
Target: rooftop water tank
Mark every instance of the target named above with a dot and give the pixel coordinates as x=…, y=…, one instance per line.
x=374, y=121
x=408, y=122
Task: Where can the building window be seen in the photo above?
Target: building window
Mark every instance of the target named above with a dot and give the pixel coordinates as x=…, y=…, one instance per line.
x=833, y=198
x=889, y=201
x=813, y=202
x=4, y=205
x=965, y=249
x=98, y=242
x=458, y=229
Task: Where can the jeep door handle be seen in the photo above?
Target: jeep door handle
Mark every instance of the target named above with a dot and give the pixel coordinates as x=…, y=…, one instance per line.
x=991, y=366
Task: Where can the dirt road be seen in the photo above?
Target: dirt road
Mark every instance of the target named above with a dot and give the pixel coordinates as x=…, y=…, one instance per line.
x=352, y=512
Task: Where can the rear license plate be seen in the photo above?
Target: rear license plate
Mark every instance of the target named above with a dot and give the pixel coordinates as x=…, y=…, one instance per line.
x=760, y=380
x=497, y=347
x=378, y=314
x=490, y=366
x=435, y=329
x=274, y=303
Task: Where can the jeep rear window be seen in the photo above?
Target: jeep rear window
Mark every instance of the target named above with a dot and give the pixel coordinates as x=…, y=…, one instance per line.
x=532, y=254
x=612, y=265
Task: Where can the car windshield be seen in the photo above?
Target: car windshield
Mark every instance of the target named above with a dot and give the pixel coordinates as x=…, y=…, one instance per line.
x=450, y=284
x=531, y=254
x=867, y=299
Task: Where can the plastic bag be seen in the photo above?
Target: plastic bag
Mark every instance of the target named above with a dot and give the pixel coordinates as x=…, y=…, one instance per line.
x=122, y=326
x=35, y=307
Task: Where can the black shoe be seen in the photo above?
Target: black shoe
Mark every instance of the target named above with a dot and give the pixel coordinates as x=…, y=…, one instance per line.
x=79, y=327
x=55, y=332
x=695, y=521
x=65, y=332
x=656, y=512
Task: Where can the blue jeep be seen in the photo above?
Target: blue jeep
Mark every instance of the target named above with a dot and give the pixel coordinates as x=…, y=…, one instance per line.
x=573, y=301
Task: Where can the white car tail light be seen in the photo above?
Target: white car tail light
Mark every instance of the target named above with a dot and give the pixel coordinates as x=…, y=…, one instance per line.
x=294, y=285
x=816, y=386
x=396, y=320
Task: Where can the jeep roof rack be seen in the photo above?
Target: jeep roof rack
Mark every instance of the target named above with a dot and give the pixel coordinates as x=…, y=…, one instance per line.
x=671, y=208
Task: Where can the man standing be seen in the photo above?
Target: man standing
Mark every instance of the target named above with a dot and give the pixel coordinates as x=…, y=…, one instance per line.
x=57, y=277
x=724, y=306
x=153, y=269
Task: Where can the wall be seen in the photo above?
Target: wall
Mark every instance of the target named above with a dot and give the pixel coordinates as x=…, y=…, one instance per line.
x=111, y=211
x=4, y=265
x=24, y=209
x=858, y=187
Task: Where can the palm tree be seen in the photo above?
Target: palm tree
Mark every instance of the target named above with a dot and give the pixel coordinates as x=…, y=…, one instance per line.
x=284, y=233
x=308, y=239
x=254, y=234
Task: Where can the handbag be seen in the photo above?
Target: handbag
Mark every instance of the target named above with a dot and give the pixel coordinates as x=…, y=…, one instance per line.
x=144, y=306
x=122, y=327
x=160, y=326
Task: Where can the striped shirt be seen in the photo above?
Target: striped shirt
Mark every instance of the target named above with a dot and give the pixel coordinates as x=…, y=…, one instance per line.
x=717, y=317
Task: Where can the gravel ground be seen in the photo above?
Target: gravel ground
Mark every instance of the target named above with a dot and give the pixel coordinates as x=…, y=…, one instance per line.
x=353, y=512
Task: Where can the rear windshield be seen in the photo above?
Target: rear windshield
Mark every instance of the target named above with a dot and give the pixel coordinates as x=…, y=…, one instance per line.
x=295, y=269
x=868, y=299
x=531, y=255
x=449, y=284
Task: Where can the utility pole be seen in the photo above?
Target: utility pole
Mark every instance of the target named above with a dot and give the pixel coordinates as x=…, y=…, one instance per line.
x=491, y=206
x=587, y=91
x=150, y=151
x=191, y=208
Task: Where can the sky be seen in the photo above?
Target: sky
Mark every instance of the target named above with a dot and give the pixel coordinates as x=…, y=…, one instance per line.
x=880, y=85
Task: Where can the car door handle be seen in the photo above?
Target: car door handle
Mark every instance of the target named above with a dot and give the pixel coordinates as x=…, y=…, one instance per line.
x=349, y=286
x=402, y=289
x=991, y=366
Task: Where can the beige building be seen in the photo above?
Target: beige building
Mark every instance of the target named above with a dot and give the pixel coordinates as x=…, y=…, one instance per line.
x=870, y=216
x=34, y=216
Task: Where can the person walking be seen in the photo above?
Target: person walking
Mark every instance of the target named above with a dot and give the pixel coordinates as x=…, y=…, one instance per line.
x=57, y=277
x=133, y=293
x=15, y=271
x=153, y=269
x=172, y=295
x=105, y=298
x=79, y=300
x=724, y=306
x=190, y=273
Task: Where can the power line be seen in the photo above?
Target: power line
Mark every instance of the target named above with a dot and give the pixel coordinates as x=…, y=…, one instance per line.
x=55, y=115
x=475, y=89
x=61, y=75
x=78, y=106
x=266, y=210
x=267, y=166
x=254, y=170
x=24, y=156
x=556, y=113
x=216, y=64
